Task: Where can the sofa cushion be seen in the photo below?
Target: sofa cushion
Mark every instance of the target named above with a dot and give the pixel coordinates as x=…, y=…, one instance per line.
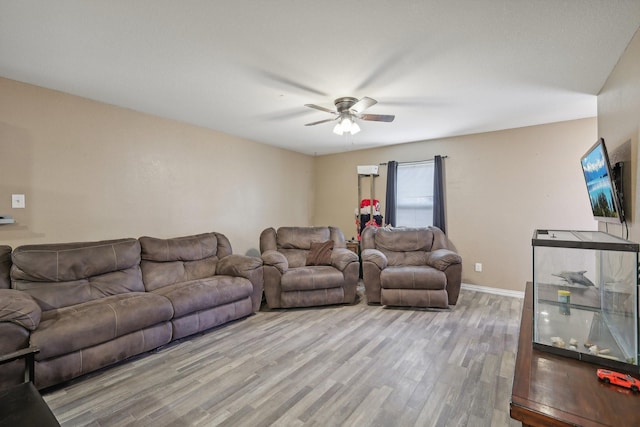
x=68, y=329
x=404, y=239
x=415, y=258
x=412, y=277
x=187, y=248
x=310, y=278
x=166, y=262
x=73, y=261
x=61, y=275
x=301, y=237
x=160, y=274
x=54, y=295
x=320, y=253
x=196, y=295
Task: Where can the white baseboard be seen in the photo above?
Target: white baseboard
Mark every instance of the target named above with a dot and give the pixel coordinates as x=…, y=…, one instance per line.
x=497, y=291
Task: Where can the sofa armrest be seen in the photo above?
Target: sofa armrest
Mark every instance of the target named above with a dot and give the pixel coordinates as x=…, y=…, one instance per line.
x=247, y=267
x=275, y=259
x=238, y=265
x=443, y=258
x=376, y=257
x=450, y=263
x=19, y=308
x=373, y=262
x=342, y=257
x=5, y=267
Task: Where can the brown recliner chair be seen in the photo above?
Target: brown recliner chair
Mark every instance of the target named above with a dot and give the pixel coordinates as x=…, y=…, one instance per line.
x=411, y=267
x=307, y=266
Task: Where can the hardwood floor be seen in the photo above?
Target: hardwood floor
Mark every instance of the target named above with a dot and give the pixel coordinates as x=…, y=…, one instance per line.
x=355, y=365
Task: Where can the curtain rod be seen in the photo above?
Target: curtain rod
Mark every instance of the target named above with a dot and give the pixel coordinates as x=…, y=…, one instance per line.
x=415, y=161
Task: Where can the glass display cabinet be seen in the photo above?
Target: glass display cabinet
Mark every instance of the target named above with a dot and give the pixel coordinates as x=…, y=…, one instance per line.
x=585, y=297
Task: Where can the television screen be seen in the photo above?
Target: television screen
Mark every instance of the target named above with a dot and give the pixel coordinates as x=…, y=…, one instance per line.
x=600, y=185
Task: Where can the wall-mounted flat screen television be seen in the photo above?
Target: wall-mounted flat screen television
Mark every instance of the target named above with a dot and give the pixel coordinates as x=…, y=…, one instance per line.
x=598, y=175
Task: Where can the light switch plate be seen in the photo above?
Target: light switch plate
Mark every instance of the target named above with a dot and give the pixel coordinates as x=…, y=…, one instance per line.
x=17, y=201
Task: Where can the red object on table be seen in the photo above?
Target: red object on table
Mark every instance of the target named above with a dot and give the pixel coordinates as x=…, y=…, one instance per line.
x=619, y=379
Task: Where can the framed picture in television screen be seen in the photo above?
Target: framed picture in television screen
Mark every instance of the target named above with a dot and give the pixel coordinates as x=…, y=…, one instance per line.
x=598, y=175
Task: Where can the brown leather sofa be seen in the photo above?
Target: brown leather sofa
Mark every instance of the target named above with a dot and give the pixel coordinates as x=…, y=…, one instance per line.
x=206, y=284
x=15, y=321
x=412, y=267
x=307, y=266
x=91, y=304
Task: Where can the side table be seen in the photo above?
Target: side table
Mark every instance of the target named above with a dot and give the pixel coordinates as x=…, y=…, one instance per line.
x=551, y=390
x=22, y=405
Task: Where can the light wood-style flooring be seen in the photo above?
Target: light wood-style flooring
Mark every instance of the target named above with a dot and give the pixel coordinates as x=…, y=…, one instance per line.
x=355, y=365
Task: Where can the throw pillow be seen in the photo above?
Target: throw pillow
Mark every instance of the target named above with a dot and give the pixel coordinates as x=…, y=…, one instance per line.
x=320, y=253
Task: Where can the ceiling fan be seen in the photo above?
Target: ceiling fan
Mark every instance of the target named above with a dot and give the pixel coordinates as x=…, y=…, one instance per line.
x=347, y=110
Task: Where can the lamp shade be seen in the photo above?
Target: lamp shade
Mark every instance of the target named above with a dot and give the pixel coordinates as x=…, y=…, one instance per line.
x=346, y=124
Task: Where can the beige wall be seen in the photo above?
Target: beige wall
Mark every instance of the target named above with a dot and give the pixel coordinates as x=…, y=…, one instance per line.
x=500, y=187
x=93, y=171
x=619, y=125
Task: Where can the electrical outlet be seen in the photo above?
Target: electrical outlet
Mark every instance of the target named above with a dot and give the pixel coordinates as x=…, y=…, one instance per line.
x=478, y=267
x=17, y=201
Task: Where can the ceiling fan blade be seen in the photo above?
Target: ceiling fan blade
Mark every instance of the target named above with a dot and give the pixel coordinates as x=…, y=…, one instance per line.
x=363, y=104
x=286, y=82
x=317, y=107
x=377, y=117
x=321, y=121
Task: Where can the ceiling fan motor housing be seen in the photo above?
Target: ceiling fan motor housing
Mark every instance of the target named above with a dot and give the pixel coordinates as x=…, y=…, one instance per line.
x=345, y=103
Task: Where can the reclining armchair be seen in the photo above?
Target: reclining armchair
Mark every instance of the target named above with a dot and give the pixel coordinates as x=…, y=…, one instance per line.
x=307, y=266
x=412, y=267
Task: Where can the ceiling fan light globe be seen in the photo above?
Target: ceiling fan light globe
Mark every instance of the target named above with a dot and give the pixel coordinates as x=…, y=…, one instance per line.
x=354, y=128
x=338, y=129
x=346, y=124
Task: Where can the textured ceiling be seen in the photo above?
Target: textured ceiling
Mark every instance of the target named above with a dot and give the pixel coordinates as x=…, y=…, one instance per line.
x=247, y=68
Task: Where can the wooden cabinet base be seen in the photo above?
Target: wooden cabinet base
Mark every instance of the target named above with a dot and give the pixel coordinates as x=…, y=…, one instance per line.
x=551, y=390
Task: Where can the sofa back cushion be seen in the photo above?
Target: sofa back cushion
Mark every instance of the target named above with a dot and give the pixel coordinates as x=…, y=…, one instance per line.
x=405, y=246
x=180, y=259
x=5, y=266
x=404, y=239
x=64, y=274
x=295, y=242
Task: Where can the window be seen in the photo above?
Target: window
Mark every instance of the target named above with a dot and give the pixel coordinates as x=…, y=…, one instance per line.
x=414, y=200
